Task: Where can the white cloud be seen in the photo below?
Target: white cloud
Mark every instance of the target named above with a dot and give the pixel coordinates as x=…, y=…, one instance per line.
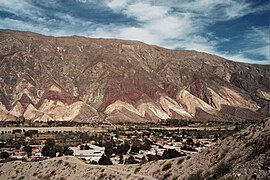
x=20, y=8
x=7, y=23
x=158, y=24
x=145, y=11
x=116, y=5
x=257, y=42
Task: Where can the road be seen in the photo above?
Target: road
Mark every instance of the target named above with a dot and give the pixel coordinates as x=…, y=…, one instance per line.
x=46, y=129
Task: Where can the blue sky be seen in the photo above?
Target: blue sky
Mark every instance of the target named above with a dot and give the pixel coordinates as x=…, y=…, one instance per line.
x=234, y=29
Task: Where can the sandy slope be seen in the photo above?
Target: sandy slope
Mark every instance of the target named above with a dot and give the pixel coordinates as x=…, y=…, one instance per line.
x=68, y=168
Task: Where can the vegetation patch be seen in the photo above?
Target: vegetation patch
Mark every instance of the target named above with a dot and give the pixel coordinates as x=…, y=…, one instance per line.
x=180, y=161
x=219, y=171
x=102, y=176
x=21, y=178
x=137, y=170
x=196, y=176
x=166, y=176
x=166, y=167
x=60, y=161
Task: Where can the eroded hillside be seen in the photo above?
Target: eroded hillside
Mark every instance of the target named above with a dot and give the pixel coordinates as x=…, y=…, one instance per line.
x=79, y=79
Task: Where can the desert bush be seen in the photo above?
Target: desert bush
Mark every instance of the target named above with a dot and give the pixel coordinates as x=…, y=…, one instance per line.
x=60, y=161
x=196, y=176
x=93, y=162
x=220, y=170
x=102, y=176
x=166, y=176
x=21, y=178
x=180, y=161
x=166, y=167
x=137, y=170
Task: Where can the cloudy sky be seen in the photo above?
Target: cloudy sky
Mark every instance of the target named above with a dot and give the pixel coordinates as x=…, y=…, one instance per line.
x=235, y=29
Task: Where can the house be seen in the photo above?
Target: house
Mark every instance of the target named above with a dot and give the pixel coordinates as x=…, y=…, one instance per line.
x=37, y=157
x=93, y=154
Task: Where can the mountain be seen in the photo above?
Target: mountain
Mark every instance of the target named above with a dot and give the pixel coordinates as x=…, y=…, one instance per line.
x=45, y=78
x=244, y=155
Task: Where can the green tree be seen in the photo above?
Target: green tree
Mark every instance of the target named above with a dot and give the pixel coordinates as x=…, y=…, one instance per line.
x=30, y=133
x=84, y=137
x=190, y=141
x=50, y=143
x=121, y=159
x=28, y=150
x=146, y=145
x=170, y=153
x=109, y=149
x=105, y=160
x=131, y=160
x=4, y=155
x=67, y=151
x=50, y=149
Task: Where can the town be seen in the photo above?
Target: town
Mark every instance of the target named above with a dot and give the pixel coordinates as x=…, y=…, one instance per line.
x=107, y=145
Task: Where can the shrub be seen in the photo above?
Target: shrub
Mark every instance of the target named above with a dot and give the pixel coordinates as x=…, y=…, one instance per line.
x=137, y=170
x=166, y=176
x=219, y=171
x=93, y=162
x=102, y=176
x=196, y=176
x=60, y=161
x=166, y=167
x=222, y=169
x=180, y=161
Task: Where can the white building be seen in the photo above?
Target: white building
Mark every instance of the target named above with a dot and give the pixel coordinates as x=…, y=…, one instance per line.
x=93, y=154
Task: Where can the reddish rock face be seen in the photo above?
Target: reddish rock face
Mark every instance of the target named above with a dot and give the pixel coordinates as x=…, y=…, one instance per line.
x=119, y=89
x=25, y=101
x=129, y=76
x=170, y=89
x=197, y=88
x=60, y=96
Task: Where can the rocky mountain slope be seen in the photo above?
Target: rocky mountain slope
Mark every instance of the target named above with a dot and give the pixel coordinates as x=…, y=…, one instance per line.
x=244, y=155
x=81, y=79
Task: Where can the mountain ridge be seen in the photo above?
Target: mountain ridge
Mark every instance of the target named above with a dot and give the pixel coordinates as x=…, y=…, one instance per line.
x=154, y=83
